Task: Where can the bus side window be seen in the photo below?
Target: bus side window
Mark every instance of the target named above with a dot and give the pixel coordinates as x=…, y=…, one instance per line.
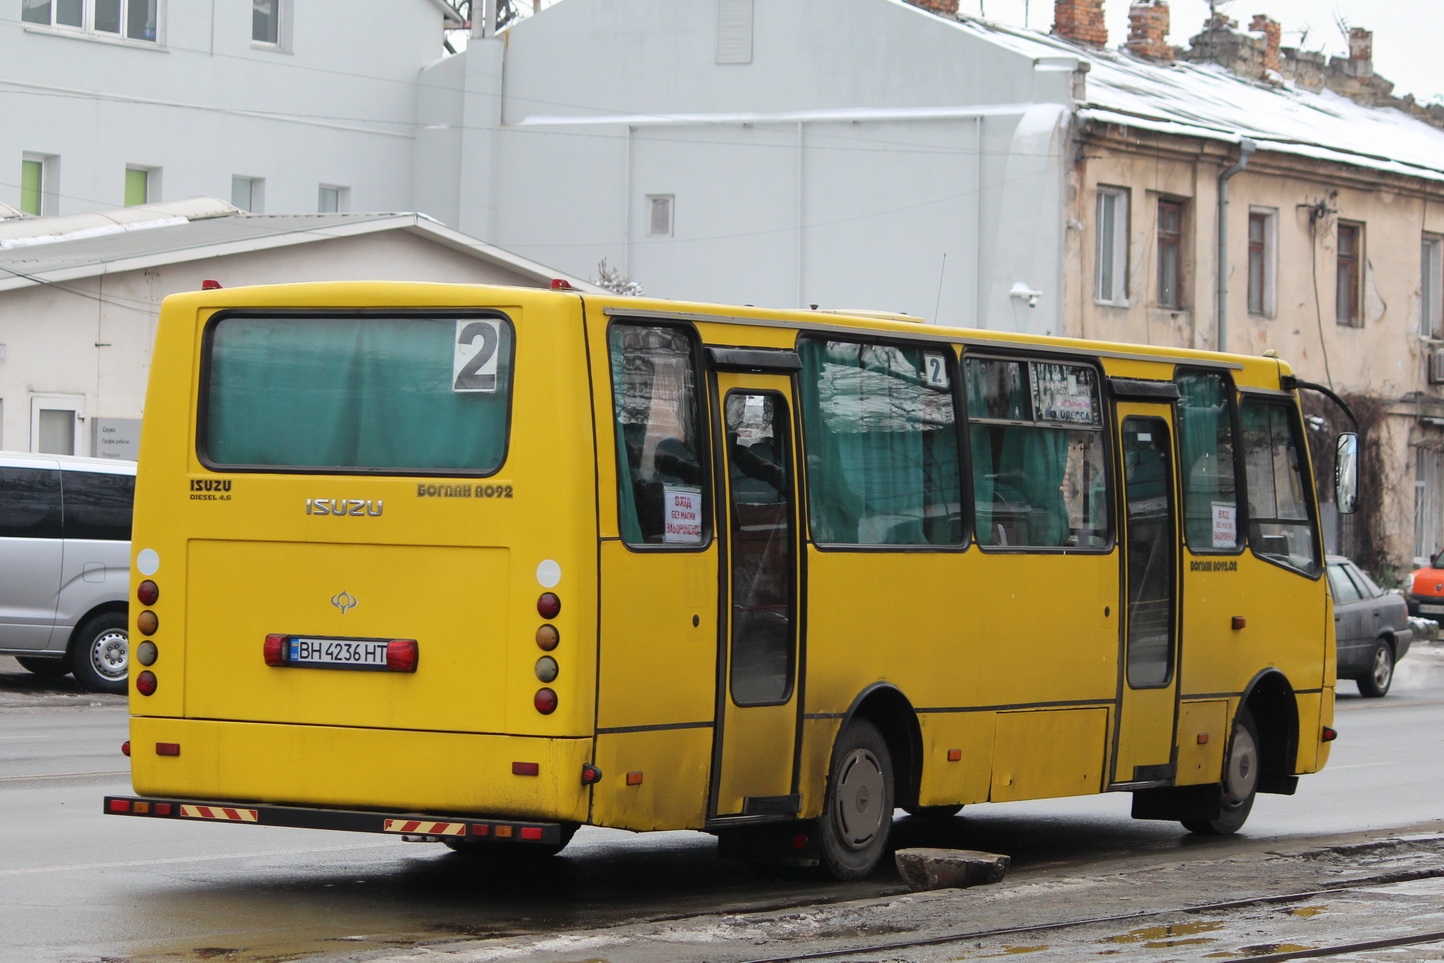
x=882, y=445
x=1205, y=439
x=1281, y=527
x=663, y=489
x=1037, y=445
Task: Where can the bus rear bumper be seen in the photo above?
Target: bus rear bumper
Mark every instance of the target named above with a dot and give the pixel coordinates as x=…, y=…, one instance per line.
x=428, y=827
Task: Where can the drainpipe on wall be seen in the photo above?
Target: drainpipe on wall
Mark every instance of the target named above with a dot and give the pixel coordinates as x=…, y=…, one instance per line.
x=1246, y=147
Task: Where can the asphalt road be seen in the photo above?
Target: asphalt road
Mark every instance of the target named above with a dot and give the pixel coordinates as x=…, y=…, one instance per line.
x=77, y=885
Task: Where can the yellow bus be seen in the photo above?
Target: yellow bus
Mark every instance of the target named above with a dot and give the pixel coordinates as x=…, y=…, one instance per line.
x=480, y=565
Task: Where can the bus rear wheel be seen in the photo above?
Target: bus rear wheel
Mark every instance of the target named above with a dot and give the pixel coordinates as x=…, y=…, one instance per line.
x=857, y=814
x=1240, y=780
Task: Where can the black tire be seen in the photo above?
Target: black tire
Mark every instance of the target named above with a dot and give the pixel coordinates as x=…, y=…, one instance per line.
x=1240, y=780
x=857, y=809
x=1375, y=683
x=932, y=812
x=45, y=668
x=100, y=653
x=477, y=848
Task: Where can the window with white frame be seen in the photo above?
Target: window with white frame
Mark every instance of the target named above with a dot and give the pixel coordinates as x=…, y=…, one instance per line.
x=1431, y=287
x=122, y=19
x=1263, y=259
x=39, y=174
x=1428, y=503
x=55, y=424
x=333, y=199
x=142, y=185
x=1110, y=274
x=249, y=193
x=270, y=23
x=659, y=215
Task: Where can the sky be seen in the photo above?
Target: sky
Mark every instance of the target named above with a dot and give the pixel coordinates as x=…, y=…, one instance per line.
x=1407, y=33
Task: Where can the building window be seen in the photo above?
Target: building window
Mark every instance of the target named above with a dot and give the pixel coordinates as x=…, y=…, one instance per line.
x=130, y=19
x=1431, y=287
x=141, y=185
x=1170, y=253
x=54, y=421
x=659, y=209
x=38, y=176
x=1428, y=504
x=249, y=193
x=734, y=31
x=270, y=22
x=1110, y=283
x=1347, y=286
x=333, y=199
x=1262, y=261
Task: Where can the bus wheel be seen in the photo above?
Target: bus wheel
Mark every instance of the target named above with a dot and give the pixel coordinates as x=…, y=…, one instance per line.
x=857, y=812
x=1375, y=684
x=100, y=653
x=1240, y=780
x=491, y=849
x=45, y=668
x=932, y=812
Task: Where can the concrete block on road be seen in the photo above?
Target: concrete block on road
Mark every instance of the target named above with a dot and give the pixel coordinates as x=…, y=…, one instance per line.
x=924, y=869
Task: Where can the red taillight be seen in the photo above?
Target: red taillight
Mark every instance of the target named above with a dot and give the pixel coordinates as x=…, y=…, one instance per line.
x=402, y=655
x=275, y=650
x=167, y=748
x=145, y=683
x=525, y=768
x=1329, y=735
x=548, y=606
x=147, y=592
x=125, y=748
x=120, y=805
x=531, y=833
x=545, y=701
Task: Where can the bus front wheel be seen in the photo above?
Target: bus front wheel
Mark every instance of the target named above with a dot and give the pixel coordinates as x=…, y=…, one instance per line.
x=1240, y=780
x=857, y=816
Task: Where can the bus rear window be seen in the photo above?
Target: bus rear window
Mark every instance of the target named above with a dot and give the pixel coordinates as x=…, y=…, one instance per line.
x=339, y=394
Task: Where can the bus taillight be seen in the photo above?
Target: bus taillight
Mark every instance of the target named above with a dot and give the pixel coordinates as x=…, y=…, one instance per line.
x=275, y=650
x=548, y=606
x=145, y=683
x=402, y=655
x=147, y=592
x=545, y=701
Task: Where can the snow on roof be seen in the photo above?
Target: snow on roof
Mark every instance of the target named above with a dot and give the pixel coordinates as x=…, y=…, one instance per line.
x=1206, y=100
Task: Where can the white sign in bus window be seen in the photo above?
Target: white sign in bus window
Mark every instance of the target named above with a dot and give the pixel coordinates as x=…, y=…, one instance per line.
x=682, y=509
x=477, y=357
x=1225, y=525
x=935, y=370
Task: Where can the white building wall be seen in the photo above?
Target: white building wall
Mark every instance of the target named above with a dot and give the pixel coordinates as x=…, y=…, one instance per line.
x=202, y=104
x=861, y=159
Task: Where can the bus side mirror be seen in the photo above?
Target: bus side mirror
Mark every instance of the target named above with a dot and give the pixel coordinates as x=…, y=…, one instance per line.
x=1346, y=473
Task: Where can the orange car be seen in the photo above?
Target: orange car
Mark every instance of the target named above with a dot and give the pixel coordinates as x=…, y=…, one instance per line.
x=1426, y=590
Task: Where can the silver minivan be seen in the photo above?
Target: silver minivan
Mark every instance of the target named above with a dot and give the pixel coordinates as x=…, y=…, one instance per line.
x=65, y=555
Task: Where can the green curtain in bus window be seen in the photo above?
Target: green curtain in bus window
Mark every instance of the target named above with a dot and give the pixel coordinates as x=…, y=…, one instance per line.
x=996, y=389
x=882, y=455
x=661, y=478
x=1210, y=496
x=354, y=393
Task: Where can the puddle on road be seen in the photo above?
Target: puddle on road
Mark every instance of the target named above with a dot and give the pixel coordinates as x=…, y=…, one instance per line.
x=1163, y=937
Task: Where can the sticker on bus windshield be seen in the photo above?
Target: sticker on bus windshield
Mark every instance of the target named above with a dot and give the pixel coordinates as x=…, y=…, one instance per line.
x=477, y=358
x=1063, y=392
x=1225, y=528
x=683, y=511
x=935, y=370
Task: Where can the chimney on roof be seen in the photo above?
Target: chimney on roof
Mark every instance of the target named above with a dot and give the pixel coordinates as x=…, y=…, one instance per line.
x=1080, y=21
x=1361, y=52
x=1271, y=31
x=944, y=8
x=1147, y=30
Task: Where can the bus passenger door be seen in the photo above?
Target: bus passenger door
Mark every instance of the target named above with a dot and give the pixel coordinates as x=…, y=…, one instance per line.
x=1143, y=738
x=755, y=748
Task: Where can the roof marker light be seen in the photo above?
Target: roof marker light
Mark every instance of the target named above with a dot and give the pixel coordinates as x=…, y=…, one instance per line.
x=210, y=284
x=558, y=284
